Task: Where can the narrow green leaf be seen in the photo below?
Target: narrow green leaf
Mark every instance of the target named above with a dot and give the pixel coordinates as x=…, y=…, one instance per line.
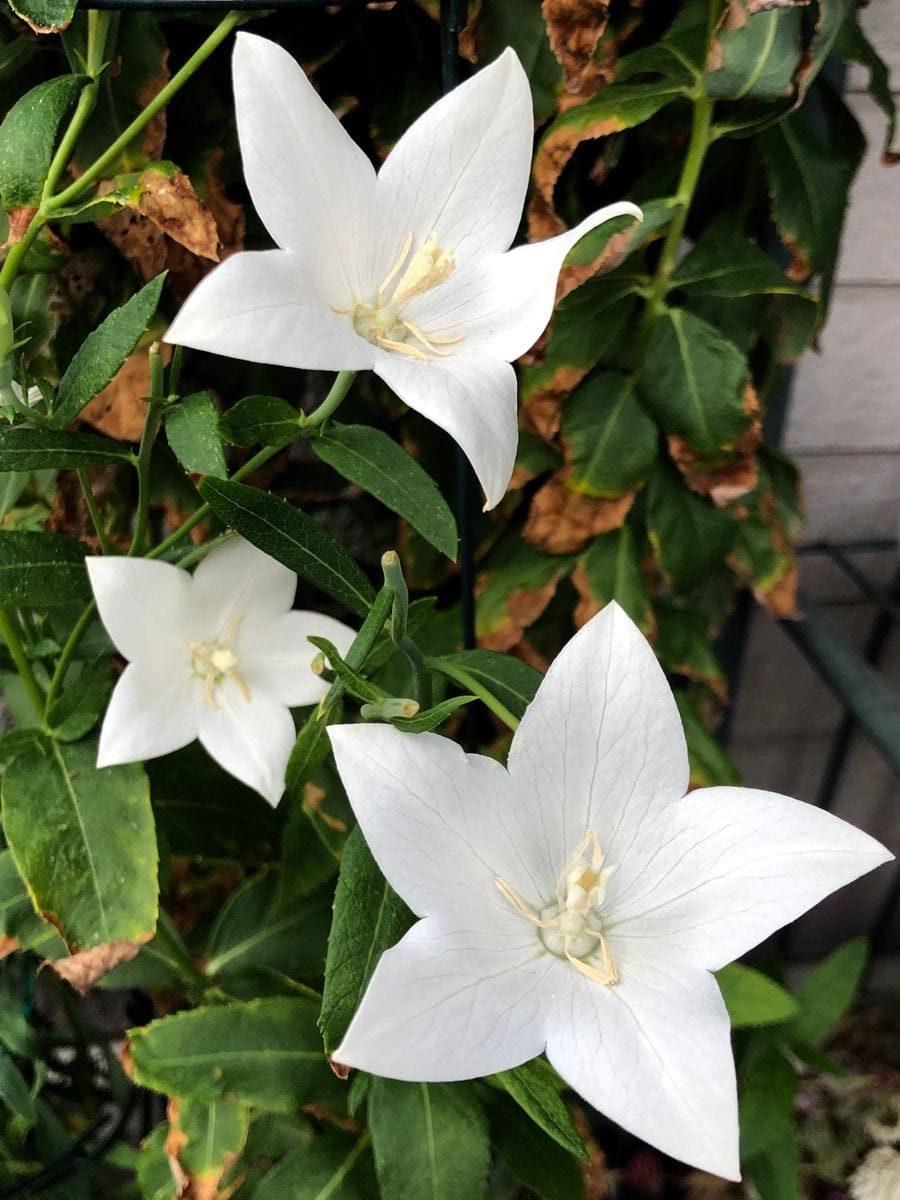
x=430, y=1140
x=431, y=718
x=355, y=683
x=852, y=45
x=753, y=998
x=260, y=420
x=83, y=841
x=26, y=450
x=15, y=1093
x=368, y=918
x=776, y=1172
x=827, y=992
x=535, y=1088
x=512, y=681
x=768, y=1086
x=12, y=485
x=331, y=1167
x=40, y=570
x=292, y=537
x=28, y=136
x=81, y=705
x=725, y=263
x=192, y=430
x=104, y=351
x=374, y=461
x=265, y=1052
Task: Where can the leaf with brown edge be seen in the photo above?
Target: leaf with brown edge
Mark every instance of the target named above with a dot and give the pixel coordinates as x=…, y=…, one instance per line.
x=119, y=410
x=516, y=585
x=611, y=569
x=169, y=202
x=82, y=970
x=614, y=109
x=724, y=482
x=203, y=1141
x=683, y=646
x=763, y=554
x=561, y=521
x=574, y=28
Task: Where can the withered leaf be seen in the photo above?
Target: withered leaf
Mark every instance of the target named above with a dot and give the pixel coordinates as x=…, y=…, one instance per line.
x=574, y=28
x=119, y=410
x=83, y=969
x=561, y=521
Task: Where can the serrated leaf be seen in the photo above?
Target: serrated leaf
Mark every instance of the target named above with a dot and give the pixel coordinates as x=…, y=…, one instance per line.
x=690, y=536
x=430, y=1140
x=369, y=917
x=45, y=16
x=535, y=1088
x=333, y=1166
x=725, y=263
x=80, y=706
x=610, y=441
x=103, y=351
x=852, y=45
x=14, y=1091
x=776, y=1173
x=374, y=461
x=260, y=420
x=192, y=430
x=265, y=1052
x=40, y=570
x=28, y=136
x=512, y=681
x=756, y=58
x=610, y=569
x=206, y=1136
x=84, y=842
x=753, y=998
x=27, y=450
x=18, y=920
x=692, y=382
x=516, y=585
x=286, y=533
x=827, y=992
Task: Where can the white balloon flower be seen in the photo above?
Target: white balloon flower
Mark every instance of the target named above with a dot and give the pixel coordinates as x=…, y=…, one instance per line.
x=405, y=273
x=577, y=900
x=218, y=655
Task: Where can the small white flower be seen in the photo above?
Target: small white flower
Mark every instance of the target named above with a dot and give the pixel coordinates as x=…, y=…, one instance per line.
x=404, y=273
x=878, y=1176
x=218, y=655
x=577, y=900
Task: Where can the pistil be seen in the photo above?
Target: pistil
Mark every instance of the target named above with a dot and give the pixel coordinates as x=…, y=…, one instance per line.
x=214, y=660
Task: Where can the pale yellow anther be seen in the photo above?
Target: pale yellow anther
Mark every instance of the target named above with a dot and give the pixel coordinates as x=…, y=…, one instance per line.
x=428, y=267
x=214, y=661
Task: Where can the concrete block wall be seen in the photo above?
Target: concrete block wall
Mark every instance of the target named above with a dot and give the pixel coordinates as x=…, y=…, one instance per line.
x=844, y=432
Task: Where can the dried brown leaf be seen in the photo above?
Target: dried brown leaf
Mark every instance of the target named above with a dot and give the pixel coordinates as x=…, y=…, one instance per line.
x=9, y=945
x=119, y=410
x=172, y=205
x=729, y=481
x=552, y=156
x=138, y=240
x=562, y=522
x=524, y=606
x=574, y=28
x=83, y=969
x=542, y=410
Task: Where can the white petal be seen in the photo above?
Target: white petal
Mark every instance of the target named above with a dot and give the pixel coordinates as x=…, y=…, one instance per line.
x=502, y=305
x=145, y=606
x=653, y=1053
x=236, y=578
x=275, y=657
x=311, y=184
x=461, y=170
x=473, y=399
x=725, y=867
x=252, y=739
x=601, y=746
x=441, y=824
x=268, y=307
x=445, y=1004
x=152, y=712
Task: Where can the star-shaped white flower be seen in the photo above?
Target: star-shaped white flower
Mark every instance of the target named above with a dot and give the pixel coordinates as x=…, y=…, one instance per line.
x=577, y=900
x=218, y=655
x=403, y=273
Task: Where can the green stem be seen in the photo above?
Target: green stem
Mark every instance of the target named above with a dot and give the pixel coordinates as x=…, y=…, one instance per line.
x=461, y=676
x=74, y=640
x=700, y=141
x=16, y=648
x=339, y=390
x=171, y=944
x=96, y=518
x=145, y=452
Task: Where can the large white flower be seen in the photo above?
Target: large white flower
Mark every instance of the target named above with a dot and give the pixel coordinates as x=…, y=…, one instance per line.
x=577, y=900
x=218, y=655
x=404, y=273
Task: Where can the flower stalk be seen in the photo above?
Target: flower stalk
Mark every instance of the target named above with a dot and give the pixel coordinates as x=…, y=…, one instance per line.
x=19, y=655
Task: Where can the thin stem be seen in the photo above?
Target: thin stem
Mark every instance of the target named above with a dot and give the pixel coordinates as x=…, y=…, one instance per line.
x=339, y=390
x=145, y=452
x=80, y=629
x=19, y=656
x=96, y=518
x=461, y=676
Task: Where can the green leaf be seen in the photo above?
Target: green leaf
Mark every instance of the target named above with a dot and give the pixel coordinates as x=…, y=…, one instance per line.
x=535, y=1088
x=776, y=1173
x=39, y=570
x=153, y=1169
x=852, y=45
x=15, y=1093
x=368, y=919
x=357, y=685
x=725, y=263
x=757, y=58
x=12, y=485
x=523, y=28
x=18, y=919
x=81, y=705
x=832, y=16
x=212, y=1133
x=693, y=384
x=768, y=1086
x=289, y=535
x=192, y=430
x=827, y=992
x=103, y=351
x=331, y=1167
x=683, y=645
x=45, y=16
x=374, y=461
x=83, y=841
x=260, y=420
x=709, y=763
x=610, y=569
x=538, y=1163
x=430, y=1140
x=28, y=136
x=512, y=681
x=753, y=998
x=26, y=450
x=431, y=718
x=265, y=1052
x=690, y=536
x=610, y=441
x=268, y=924
x=516, y=584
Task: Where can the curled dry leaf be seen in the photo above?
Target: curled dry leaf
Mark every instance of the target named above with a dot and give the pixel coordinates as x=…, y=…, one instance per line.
x=574, y=28
x=170, y=203
x=729, y=481
x=84, y=968
x=119, y=410
x=562, y=522
x=138, y=240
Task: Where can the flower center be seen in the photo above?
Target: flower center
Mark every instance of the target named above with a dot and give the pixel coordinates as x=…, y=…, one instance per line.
x=214, y=661
x=572, y=926
x=381, y=321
